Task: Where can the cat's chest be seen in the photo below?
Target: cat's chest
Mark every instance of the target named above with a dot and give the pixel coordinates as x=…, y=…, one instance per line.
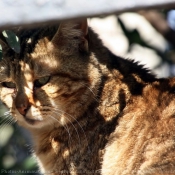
x=68, y=162
x=76, y=153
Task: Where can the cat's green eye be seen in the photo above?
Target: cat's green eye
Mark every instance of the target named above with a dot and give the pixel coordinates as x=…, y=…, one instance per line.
x=9, y=85
x=41, y=81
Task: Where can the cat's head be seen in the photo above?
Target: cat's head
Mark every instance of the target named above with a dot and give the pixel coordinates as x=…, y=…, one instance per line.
x=54, y=84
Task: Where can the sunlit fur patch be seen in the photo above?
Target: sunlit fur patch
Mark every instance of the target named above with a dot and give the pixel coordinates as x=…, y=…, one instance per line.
x=28, y=74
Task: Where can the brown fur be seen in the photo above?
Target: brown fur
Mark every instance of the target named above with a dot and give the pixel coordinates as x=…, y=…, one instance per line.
x=97, y=114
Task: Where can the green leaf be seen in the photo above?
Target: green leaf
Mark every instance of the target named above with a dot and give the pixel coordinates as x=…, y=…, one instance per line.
x=12, y=40
x=29, y=163
x=0, y=52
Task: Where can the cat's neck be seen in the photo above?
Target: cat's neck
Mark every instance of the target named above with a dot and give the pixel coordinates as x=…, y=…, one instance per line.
x=71, y=142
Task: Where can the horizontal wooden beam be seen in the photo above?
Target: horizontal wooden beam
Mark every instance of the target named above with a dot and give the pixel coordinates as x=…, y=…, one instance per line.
x=32, y=12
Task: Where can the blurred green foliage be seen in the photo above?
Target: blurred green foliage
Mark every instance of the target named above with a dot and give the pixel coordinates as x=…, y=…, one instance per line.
x=12, y=40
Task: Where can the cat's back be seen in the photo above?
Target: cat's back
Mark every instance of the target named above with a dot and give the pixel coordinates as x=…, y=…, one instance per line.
x=144, y=140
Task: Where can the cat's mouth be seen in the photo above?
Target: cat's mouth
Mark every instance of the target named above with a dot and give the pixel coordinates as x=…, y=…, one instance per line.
x=32, y=121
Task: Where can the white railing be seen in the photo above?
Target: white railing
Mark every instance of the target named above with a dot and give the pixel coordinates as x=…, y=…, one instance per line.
x=32, y=12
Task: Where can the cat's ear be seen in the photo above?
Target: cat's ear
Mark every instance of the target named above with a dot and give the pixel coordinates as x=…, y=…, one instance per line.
x=72, y=34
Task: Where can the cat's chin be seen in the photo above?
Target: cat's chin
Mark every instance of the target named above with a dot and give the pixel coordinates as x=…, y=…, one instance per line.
x=32, y=121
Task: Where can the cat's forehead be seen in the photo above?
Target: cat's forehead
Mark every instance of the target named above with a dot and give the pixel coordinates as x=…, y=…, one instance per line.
x=27, y=67
x=15, y=66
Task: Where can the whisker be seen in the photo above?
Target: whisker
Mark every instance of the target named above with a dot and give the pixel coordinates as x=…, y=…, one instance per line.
x=90, y=89
x=7, y=117
x=7, y=112
x=6, y=121
x=56, y=109
x=4, y=117
x=65, y=127
x=73, y=127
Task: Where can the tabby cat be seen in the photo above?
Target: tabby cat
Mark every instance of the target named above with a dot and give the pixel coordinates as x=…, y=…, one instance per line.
x=88, y=111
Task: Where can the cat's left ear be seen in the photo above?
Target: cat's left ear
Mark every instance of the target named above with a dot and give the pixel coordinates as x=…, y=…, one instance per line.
x=72, y=34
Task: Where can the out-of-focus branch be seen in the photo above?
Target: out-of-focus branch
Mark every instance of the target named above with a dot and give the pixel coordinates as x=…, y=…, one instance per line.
x=158, y=21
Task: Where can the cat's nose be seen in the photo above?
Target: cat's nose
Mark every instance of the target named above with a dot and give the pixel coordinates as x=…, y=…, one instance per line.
x=22, y=109
x=22, y=103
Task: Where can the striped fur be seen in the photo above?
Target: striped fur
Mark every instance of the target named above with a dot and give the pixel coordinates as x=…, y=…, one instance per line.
x=89, y=111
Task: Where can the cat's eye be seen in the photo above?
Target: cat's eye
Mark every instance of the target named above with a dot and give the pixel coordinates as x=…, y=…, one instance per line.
x=9, y=85
x=41, y=81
